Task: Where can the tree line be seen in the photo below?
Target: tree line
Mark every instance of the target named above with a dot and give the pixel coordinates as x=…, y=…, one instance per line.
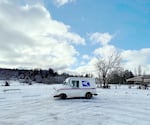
x=34, y=75
x=50, y=76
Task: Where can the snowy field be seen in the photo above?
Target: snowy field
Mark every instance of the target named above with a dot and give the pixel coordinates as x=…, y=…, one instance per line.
x=34, y=105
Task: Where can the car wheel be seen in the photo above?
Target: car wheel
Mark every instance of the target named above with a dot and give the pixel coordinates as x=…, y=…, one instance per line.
x=88, y=95
x=63, y=96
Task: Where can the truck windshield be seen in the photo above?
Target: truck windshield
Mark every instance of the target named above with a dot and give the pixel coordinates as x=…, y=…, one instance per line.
x=65, y=83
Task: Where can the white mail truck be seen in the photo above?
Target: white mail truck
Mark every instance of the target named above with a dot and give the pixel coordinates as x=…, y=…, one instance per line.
x=77, y=87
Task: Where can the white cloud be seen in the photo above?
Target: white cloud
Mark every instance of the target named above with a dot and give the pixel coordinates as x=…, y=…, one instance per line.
x=103, y=38
x=105, y=51
x=88, y=67
x=62, y=2
x=134, y=58
x=86, y=57
x=29, y=37
x=131, y=59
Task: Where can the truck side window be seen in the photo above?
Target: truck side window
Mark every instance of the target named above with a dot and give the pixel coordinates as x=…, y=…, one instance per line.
x=75, y=84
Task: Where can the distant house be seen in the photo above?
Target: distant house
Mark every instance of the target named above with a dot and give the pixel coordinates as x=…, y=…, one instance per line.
x=143, y=81
x=140, y=79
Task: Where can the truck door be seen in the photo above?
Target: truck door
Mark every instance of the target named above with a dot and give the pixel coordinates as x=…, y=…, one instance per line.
x=75, y=88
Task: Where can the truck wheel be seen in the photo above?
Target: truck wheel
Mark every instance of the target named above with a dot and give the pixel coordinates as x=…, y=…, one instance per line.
x=63, y=96
x=88, y=95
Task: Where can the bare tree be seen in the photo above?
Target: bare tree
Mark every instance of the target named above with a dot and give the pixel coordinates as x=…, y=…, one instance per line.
x=107, y=65
x=135, y=72
x=139, y=70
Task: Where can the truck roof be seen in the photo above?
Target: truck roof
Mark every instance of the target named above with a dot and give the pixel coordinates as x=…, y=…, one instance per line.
x=80, y=78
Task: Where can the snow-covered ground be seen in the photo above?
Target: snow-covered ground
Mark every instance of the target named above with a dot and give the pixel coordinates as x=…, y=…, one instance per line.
x=35, y=105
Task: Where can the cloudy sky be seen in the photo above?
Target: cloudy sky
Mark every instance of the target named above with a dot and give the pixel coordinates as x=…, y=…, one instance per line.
x=68, y=35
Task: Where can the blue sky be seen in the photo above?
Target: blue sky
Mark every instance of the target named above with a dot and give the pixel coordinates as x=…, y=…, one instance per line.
x=68, y=35
x=128, y=19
